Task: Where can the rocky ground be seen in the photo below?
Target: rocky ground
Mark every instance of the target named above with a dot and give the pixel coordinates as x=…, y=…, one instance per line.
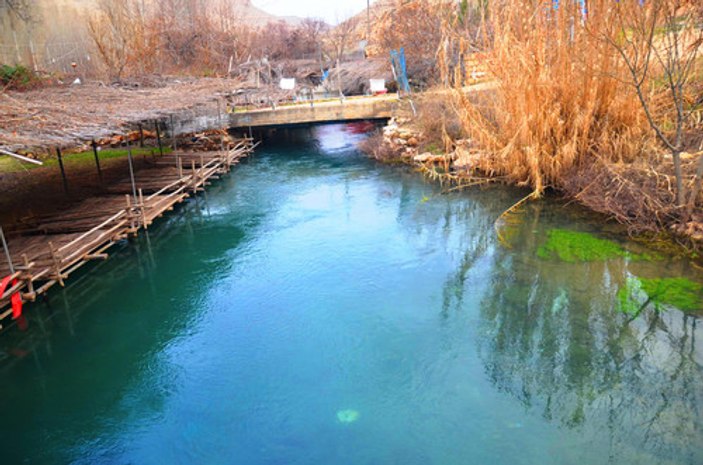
x=67, y=115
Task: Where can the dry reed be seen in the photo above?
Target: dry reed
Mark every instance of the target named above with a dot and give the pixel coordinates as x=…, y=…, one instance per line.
x=559, y=101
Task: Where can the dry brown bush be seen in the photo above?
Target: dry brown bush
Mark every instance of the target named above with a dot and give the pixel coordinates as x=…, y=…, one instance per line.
x=558, y=101
x=595, y=106
x=375, y=147
x=134, y=38
x=640, y=195
x=438, y=121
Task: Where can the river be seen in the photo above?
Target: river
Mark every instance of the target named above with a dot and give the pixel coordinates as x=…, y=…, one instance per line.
x=314, y=307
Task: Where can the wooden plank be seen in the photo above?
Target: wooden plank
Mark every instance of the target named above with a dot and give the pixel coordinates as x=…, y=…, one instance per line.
x=84, y=232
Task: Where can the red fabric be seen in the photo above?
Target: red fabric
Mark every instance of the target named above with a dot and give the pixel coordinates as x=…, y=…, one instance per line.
x=4, y=283
x=16, y=304
x=16, y=298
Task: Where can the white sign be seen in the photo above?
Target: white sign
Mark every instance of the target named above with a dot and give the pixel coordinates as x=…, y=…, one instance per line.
x=378, y=85
x=287, y=83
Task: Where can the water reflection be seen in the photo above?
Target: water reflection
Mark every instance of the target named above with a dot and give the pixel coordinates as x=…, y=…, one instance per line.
x=553, y=339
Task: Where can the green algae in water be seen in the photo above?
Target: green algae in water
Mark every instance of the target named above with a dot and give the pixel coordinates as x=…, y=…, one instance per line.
x=574, y=246
x=347, y=416
x=630, y=297
x=681, y=293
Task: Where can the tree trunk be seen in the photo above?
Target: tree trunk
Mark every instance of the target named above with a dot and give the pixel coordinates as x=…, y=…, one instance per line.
x=696, y=187
x=680, y=194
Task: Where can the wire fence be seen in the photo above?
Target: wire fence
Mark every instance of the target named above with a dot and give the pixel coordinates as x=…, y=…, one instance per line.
x=50, y=55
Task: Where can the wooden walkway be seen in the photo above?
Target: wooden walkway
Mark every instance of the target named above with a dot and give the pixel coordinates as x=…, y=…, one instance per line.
x=47, y=249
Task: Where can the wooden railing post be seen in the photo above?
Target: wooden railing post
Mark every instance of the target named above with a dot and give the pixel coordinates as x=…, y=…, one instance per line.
x=56, y=258
x=62, y=169
x=142, y=207
x=27, y=276
x=194, y=176
x=130, y=213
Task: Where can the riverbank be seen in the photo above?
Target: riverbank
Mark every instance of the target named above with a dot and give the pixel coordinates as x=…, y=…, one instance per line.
x=636, y=194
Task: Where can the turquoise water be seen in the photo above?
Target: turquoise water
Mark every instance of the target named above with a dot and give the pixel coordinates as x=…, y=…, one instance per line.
x=317, y=308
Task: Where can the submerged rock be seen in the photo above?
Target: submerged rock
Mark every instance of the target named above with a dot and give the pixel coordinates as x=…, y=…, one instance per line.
x=347, y=416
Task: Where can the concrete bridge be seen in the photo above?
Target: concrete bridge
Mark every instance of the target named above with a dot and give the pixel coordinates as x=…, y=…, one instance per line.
x=348, y=109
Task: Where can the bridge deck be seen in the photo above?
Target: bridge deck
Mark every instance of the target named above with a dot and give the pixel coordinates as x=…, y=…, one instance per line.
x=347, y=109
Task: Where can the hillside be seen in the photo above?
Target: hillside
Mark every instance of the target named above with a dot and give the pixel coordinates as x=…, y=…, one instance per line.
x=258, y=17
x=57, y=34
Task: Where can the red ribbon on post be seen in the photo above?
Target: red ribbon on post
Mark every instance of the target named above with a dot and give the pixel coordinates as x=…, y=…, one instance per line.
x=15, y=300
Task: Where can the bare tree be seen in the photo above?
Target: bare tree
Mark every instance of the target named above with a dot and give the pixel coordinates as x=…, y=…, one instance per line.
x=110, y=29
x=339, y=39
x=312, y=31
x=415, y=26
x=21, y=9
x=659, y=42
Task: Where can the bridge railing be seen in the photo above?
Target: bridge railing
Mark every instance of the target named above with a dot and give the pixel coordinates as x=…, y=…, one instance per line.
x=243, y=106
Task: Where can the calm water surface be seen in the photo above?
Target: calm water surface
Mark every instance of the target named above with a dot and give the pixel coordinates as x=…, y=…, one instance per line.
x=316, y=308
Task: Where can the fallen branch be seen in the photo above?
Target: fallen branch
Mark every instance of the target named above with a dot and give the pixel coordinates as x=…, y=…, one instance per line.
x=20, y=157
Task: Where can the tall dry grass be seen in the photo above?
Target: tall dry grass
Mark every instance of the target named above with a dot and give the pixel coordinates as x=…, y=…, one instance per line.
x=559, y=99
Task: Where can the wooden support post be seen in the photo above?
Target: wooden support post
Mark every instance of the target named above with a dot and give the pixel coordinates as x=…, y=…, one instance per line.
x=141, y=135
x=158, y=137
x=63, y=171
x=221, y=125
x=131, y=172
x=57, y=263
x=130, y=213
x=194, y=176
x=7, y=252
x=174, y=137
x=179, y=165
x=97, y=160
x=142, y=207
x=202, y=169
x=31, y=294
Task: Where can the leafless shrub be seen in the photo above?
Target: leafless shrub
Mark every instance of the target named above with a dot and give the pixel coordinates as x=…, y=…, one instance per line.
x=375, y=147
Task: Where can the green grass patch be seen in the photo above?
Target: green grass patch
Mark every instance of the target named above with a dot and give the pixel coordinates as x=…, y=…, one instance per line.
x=17, y=77
x=573, y=246
x=433, y=148
x=11, y=165
x=681, y=293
